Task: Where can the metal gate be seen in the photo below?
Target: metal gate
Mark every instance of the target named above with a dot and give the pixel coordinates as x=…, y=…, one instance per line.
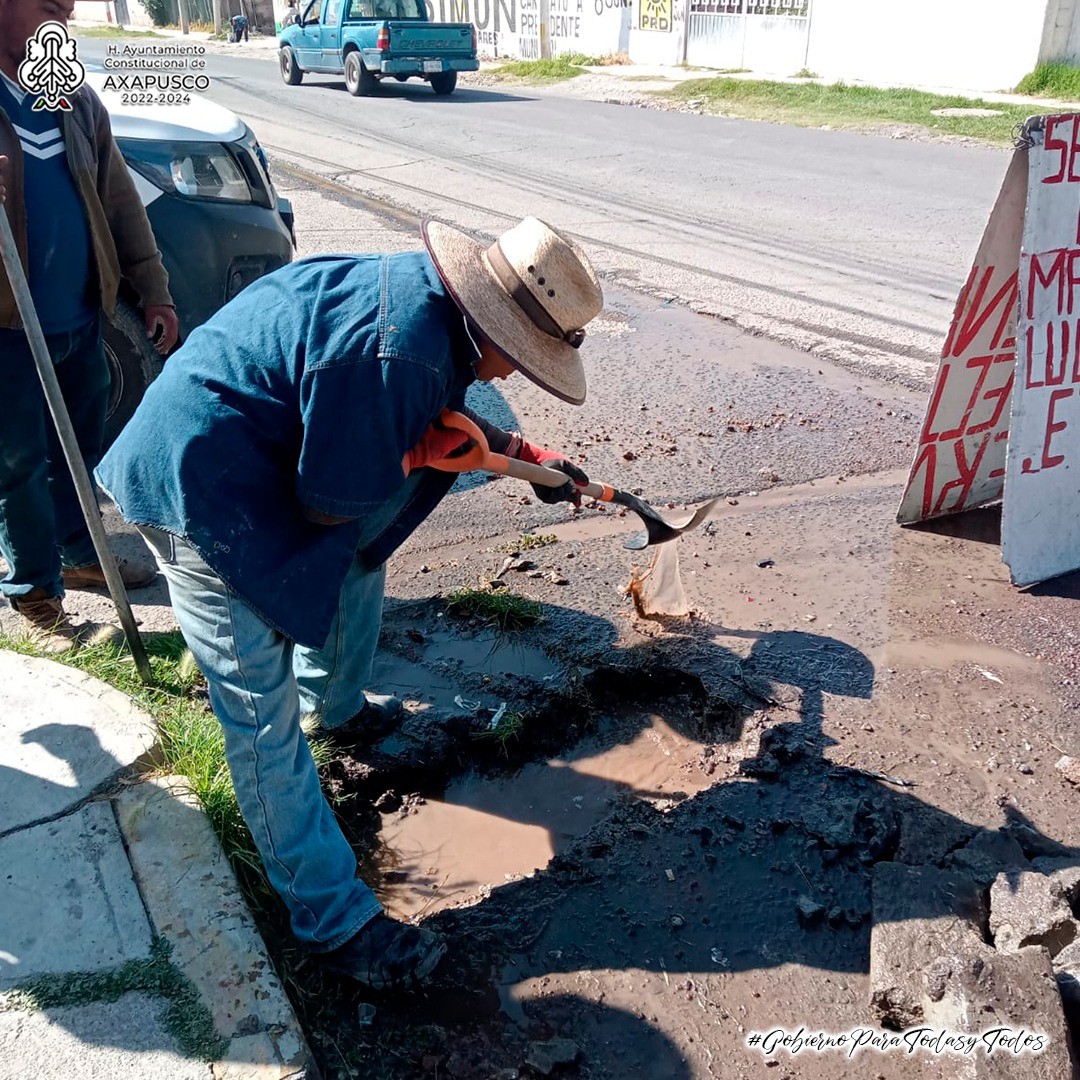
x=761, y=35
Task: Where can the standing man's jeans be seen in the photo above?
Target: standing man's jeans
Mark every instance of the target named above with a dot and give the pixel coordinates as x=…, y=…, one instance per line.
x=41, y=523
x=256, y=696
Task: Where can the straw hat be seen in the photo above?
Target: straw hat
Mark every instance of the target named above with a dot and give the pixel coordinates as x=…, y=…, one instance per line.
x=531, y=293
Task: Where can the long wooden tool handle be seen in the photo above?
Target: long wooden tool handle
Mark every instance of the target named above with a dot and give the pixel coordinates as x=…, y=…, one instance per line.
x=553, y=478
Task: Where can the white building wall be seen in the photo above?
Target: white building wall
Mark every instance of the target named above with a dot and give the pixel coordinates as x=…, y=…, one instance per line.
x=650, y=41
x=975, y=44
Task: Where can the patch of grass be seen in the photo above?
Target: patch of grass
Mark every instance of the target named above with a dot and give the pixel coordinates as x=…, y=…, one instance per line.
x=509, y=728
x=529, y=542
x=580, y=59
x=187, y=1019
x=805, y=73
x=1055, y=80
x=562, y=67
x=841, y=106
x=714, y=71
x=499, y=607
x=108, y=32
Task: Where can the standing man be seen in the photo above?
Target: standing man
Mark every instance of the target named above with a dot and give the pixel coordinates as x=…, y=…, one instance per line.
x=240, y=27
x=277, y=463
x=79, y=226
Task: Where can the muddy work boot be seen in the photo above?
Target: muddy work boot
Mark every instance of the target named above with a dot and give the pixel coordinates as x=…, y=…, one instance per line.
x=379, y=716
x=133, y=575
x=46, y=623
x=387, y=955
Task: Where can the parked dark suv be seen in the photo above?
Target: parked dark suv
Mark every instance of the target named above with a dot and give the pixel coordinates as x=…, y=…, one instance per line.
x=218, y=221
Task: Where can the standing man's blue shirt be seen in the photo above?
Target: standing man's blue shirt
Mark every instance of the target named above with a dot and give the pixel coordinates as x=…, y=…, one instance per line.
x=58, y=235
x=305, y=391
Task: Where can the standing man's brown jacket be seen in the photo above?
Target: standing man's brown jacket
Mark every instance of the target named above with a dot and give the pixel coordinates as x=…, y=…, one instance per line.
x=122, y=241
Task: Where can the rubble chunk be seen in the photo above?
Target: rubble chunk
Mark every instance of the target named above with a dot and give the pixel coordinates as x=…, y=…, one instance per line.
x=1067, y=972
x=1032, y=908
x=979, y=990
x=919, y=914
x=987, y=854
x=809, y=910
x=1069, y=768
x=546, y=1057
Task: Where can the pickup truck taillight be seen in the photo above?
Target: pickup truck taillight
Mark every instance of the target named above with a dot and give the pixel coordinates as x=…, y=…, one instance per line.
x=474, y=38
x=383, y=42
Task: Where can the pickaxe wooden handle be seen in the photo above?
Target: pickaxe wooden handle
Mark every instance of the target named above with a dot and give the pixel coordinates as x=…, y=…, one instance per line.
x=479, y=456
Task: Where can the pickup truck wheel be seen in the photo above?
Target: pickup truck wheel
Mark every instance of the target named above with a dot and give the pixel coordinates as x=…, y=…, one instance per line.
x=133, y=364
x=443, y=84
x=358, y=80
x=290, y=70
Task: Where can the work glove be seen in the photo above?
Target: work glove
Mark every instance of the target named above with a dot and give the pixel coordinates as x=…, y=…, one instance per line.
x=437, y=443
x=569, y=492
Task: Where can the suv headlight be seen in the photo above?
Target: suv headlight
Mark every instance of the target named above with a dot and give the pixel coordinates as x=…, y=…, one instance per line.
x=193, y=170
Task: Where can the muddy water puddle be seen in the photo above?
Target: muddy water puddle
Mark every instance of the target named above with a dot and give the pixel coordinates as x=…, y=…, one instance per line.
x=485, y=831
x=436, y=672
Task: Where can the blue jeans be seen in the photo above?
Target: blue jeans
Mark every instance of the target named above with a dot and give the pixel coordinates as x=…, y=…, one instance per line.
x=260, y=683
x=41, y=524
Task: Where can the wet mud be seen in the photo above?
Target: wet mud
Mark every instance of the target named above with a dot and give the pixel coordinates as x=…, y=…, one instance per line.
x=676, y=847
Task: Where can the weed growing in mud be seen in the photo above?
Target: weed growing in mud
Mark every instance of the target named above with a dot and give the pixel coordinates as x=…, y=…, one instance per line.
x=187, y=1019
x=529, y=542
x=500, y=608
x=508, y=730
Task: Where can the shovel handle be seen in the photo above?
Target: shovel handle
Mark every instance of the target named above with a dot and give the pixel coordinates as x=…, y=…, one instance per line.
x=553, y=478
x=478, y=456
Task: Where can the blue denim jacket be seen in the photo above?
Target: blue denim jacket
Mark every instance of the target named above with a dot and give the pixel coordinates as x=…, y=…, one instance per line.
x=304, y=391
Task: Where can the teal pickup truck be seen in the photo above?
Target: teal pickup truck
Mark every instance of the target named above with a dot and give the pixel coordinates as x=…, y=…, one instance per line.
x=369, y=40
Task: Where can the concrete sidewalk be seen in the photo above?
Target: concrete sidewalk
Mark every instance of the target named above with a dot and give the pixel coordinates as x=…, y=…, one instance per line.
x=126, y=949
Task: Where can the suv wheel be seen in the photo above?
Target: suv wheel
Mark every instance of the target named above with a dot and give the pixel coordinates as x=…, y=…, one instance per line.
x=133, y=364
x=443, y=84
x=290, y=70
x=358, y=80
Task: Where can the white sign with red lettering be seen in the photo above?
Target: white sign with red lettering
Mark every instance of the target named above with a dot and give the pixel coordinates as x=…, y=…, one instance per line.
x=1040, y=534
x=960, y=460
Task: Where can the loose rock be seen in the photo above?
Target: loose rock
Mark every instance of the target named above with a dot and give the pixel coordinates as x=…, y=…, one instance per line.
x=1069, y=769
x=546, y=1057
x=809, y=911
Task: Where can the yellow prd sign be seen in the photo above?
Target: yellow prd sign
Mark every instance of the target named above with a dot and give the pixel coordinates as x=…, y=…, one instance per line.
x=655, y=15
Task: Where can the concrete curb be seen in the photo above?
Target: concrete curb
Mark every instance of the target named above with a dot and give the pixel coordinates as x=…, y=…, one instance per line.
x=194, y=902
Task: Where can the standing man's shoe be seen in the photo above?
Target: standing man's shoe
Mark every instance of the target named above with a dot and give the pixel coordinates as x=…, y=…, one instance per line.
x=46, y=623
x=378, y=716
x=133, y=575
x=387, y=955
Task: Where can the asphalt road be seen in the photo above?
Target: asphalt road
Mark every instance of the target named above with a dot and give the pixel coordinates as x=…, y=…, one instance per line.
x=853, y=246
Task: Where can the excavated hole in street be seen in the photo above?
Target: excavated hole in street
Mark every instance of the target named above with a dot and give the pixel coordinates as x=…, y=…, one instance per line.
x=485, y=830
x=464, y=810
